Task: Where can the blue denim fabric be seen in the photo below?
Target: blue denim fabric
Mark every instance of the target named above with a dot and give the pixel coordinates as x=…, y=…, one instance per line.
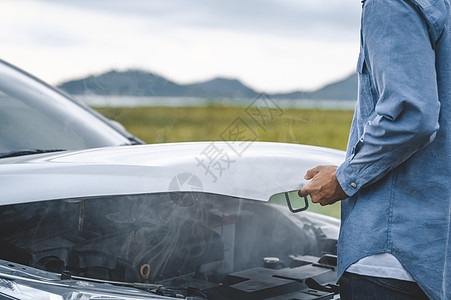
x=398, y=165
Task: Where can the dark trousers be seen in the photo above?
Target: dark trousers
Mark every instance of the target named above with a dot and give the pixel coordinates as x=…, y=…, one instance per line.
x=359, y=287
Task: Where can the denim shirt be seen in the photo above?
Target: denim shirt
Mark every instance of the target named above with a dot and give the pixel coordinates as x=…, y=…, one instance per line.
x=397, y=170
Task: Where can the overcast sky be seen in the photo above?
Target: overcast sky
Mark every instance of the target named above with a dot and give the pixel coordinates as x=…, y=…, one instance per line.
x=270, y=45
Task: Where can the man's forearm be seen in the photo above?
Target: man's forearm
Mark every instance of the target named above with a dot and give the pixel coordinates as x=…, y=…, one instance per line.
x=402, y=73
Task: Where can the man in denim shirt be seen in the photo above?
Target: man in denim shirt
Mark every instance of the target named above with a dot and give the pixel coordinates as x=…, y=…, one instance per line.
x=395, y=238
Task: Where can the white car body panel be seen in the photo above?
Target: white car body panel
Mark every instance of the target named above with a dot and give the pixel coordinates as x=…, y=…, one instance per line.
x=262, y=170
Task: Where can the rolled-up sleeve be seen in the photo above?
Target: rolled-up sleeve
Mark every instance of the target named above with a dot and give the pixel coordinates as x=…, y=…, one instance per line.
x=398, y=55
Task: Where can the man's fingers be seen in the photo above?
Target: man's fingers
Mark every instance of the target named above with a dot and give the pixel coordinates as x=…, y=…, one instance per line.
x=311, y=173
x=304, y=191
x=308, y=189
x=315, y=198
x=323, y=186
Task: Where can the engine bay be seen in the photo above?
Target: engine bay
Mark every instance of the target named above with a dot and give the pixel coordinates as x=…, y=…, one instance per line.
x=198, y=245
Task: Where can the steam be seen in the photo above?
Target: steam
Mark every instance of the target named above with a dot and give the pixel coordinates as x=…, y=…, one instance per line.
x=215, y=236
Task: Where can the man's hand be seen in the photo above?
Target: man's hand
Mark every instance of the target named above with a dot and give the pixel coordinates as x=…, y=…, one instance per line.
x=323, y=186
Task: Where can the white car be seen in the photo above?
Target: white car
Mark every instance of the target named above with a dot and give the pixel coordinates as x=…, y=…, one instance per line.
x=150, y=221
x=35, y=118
x=88, y=213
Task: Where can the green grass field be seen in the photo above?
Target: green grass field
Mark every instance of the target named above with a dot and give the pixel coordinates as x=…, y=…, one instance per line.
x=327, y=128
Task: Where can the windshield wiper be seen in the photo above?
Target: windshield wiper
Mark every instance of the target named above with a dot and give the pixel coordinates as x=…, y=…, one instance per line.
x=148, y=287
x=28, y=152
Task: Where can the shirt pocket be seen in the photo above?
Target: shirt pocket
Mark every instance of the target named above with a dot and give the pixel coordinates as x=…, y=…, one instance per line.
x=367, y=96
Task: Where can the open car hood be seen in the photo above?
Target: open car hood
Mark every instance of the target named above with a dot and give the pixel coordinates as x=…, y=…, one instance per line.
x=172, y=220
x=257, y=172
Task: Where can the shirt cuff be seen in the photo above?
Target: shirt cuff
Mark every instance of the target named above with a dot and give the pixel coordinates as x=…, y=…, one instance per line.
x=347, y=178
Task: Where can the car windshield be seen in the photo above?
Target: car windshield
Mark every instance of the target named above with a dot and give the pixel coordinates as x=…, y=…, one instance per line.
x=35, y=116
x=193, y=243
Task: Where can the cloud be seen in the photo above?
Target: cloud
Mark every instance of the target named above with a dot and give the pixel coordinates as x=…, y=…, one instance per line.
x=272, y=46
x=301, y=18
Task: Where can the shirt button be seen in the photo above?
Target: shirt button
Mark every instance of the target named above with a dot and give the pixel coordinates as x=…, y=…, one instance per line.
x=353, y=185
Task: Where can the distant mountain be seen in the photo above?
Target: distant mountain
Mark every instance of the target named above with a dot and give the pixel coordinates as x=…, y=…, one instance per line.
x=221, y=87
x=345, y=89
x=126, y=83
x=141, y=83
